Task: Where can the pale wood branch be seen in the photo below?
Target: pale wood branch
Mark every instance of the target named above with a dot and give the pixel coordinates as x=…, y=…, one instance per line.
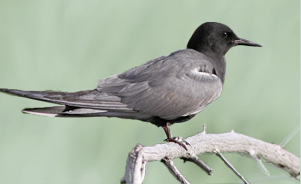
x=174, y=171
x=220, y=155
x=209, y=143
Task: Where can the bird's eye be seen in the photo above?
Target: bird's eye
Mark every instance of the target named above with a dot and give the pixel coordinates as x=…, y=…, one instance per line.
x=225, y=34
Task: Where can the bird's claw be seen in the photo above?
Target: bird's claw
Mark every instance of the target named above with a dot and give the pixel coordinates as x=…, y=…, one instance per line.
x=178, y=140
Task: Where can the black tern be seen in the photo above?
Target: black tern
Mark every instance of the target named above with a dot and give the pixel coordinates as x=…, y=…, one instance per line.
x=167, y=90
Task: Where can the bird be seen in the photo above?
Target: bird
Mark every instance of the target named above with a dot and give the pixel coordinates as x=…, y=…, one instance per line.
x=163, y=91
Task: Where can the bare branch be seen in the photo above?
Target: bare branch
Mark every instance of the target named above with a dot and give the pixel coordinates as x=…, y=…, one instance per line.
x=209, y=143
x=195, y=159
x=218, y=153
x=135, y=167
x=174, y=171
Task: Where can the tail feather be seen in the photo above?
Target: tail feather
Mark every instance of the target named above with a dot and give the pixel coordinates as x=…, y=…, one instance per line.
x=66, y=111
x=45, y=111
x=63, y=111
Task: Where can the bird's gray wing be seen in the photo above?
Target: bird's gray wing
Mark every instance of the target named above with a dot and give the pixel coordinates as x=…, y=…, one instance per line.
x=169, y=87
x=81, y=103
x=87, y=99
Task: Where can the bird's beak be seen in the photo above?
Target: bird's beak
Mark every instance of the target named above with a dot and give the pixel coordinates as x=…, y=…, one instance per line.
x=242, y=41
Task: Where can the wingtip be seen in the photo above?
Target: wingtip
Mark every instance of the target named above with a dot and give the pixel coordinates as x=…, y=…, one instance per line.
x=3, y=90
x=11, y=91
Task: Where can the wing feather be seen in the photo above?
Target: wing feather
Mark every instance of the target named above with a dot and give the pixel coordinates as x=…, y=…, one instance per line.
x=169, y=87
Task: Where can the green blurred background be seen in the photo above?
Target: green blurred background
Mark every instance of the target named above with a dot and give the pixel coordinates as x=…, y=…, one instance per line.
x=69, y=45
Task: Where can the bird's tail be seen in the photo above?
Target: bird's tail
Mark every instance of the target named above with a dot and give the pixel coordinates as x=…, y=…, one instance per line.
x=57, y=97
x=65, y=111
x=45, y=111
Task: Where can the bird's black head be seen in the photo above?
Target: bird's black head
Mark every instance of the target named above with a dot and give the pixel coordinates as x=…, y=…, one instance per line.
x=217, y=38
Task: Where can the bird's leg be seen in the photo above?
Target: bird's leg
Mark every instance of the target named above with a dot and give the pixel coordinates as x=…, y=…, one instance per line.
x=167, y=131
x=171, y=139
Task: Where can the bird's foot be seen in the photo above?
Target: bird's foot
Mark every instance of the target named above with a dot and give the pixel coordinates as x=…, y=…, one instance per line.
x=178, y=140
